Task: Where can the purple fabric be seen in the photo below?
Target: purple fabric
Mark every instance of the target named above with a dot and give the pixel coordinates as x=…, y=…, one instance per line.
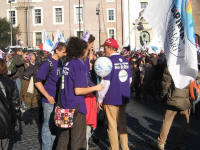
x=86, y=36
x=42, y=73
x=74, y=73
x=119, y=90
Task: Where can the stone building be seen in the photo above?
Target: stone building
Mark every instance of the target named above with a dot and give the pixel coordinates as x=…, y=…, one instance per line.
x=102, y=18
x=196, y=16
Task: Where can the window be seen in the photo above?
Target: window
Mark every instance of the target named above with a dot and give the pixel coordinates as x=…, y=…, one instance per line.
x=12, y=17
x=144, y=5
x=36, y=0
x=12, y=1
x=144, y=38
x=79, y=14
x=197, y=37
x=37, y=20
x=79, y=34
x=58, y=15
x=111, y=15
x=38, y=38
x=110, y=0
x=111, y=33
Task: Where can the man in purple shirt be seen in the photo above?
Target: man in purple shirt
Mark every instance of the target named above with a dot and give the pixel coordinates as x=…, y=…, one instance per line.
x=47, y=87
x=115, y=95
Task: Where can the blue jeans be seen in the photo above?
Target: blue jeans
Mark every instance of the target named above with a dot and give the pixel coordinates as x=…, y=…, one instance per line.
x=47, y=137
x=19, y=84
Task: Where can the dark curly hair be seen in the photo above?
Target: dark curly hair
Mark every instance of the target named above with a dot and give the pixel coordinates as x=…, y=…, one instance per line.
x=58, y=46
x=91, y=38
x=3, y=67
x=75, y=47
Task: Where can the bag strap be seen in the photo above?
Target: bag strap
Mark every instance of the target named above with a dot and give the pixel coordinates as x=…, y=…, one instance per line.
x=50, y=69
x=58, y=103
x=197, y=87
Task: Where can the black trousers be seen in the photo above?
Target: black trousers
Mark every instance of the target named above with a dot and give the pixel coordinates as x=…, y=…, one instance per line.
x=75, y=137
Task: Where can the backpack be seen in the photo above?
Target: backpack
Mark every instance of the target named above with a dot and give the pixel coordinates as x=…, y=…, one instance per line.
x=36, y=68
x=50, y=69
x=195, y=90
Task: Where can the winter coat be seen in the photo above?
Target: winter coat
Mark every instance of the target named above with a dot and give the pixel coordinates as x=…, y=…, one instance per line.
x=177, y=99
x=9, y=107
x=20, y=64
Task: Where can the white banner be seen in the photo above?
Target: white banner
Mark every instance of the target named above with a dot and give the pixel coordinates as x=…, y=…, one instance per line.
x=172, y=22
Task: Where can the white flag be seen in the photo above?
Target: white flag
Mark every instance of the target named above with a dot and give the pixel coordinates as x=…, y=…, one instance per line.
x=172, y=22
x=59, y=37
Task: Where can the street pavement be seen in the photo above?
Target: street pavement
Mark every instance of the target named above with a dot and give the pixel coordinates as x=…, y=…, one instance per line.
x=143, y=124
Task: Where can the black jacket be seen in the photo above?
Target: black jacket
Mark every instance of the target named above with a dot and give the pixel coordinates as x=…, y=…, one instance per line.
x=9, y=107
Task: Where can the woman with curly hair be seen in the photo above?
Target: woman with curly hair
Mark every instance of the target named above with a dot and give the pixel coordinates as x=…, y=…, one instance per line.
x=74, y=87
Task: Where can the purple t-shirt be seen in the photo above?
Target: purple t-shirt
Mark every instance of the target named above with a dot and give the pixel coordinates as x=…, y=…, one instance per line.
x=74, y=75
x=50, y=85
x=119, y=90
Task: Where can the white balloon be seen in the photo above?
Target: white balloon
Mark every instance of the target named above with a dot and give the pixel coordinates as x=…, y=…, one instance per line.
x=103, y=66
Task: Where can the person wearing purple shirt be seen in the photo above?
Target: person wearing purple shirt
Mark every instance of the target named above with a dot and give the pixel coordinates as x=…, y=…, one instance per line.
x=90, y=99
x=48, y=90
x=73, y=88
x=115, y=95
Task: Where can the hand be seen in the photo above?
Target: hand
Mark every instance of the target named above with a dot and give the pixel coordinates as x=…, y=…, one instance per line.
x=99, y=87
x=50, y=99
x=100, y=104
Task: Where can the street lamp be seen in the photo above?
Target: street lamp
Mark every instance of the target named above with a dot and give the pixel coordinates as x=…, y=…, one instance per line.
x=79, y=17
x=98, y=14
x=10, y=1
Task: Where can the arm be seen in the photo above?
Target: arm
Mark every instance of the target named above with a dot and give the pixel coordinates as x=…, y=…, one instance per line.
x=166, y=83
x=85, y=91
x=41, y=88
x=102, y=93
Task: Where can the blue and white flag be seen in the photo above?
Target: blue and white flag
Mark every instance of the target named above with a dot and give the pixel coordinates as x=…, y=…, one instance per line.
x=46, y=44
x=59, y=37
x=172, y=22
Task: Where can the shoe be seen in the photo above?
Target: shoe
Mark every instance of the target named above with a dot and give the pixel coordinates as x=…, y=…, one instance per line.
x=180, y=148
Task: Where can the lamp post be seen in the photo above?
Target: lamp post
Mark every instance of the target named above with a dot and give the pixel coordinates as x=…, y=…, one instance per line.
x=98, y=14
x=28, y=24
x=79, y=17
x=10, y=1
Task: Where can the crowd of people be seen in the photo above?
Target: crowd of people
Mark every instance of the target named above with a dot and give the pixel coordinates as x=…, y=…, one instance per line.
x=38, y=80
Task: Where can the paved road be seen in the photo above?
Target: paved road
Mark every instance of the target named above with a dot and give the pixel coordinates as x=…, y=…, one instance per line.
x=143, y=122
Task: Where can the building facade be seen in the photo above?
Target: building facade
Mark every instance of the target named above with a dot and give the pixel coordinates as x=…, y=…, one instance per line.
x=137, y=36
x=137, y=32
x=120, y=19
x=102, y=18
x=196, y=16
